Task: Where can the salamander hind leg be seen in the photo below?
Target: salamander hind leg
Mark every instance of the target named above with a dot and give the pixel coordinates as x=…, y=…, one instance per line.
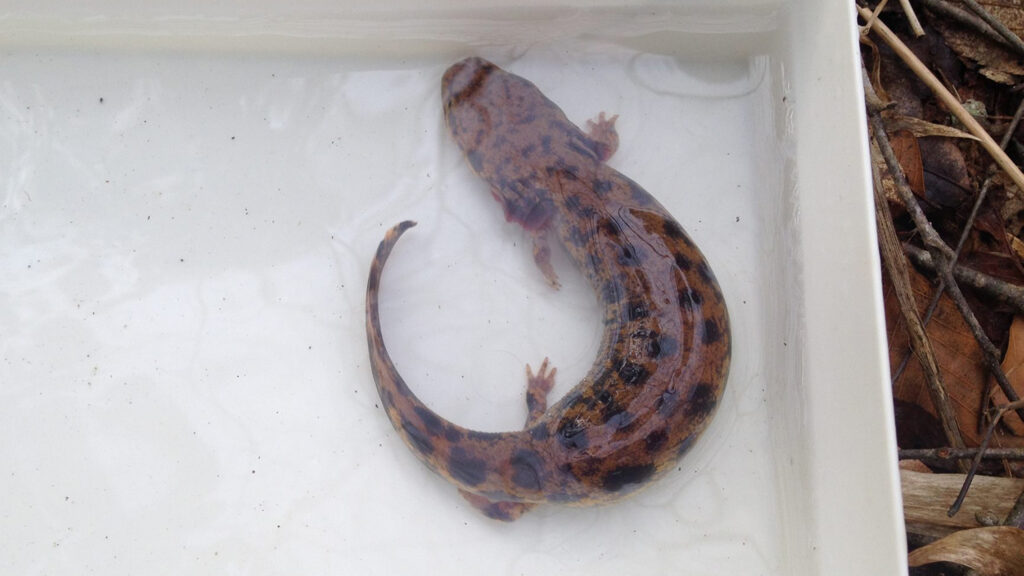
x=498, y=510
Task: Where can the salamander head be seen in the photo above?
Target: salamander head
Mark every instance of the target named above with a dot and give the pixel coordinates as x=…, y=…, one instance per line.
x=482, y=101
x=509, y=132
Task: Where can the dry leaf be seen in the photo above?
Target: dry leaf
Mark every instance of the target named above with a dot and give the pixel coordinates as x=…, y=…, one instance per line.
x=960, y=359
x=992, y=551
x=995, y=61
x=961, y=363
x=908, y=153
x=1016, y=245
x=922, y=128
x=1013, y=366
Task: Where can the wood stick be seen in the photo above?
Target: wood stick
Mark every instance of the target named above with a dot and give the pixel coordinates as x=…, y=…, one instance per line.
x=996, y=25
x=990, y=285
x=896, y=265
x=924, y=495
x=950, y=453
x=944, y=96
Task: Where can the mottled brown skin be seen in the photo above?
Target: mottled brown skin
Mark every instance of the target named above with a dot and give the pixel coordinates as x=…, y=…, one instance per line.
x=664, y=355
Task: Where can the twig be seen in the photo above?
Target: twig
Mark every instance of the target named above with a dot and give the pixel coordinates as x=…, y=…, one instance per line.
x=896, y=265
x=965, y=18
x=999, y=411
x=941, y=253
x=996, y=25
x=964, y=234
x=961, y=453
x=944, y=96
x=1016, y=514
x=915, y=24
x=1000, y=290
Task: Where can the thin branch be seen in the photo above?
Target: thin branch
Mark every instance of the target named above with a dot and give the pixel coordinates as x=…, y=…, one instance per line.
x=996, y=25
x=990, y=285
x=965, y=18
x=896, y=265
x=915, y=24
x=961, y=454
x=999, y=411
x=941, y=253
x=944, y=96
x=964, y=234
x=1016, y=515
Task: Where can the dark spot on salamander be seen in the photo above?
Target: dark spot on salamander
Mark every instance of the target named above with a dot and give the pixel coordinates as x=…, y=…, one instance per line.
x=540, y=432
x=577, y=236
x=689, y=298
x=526, y=466
x=624, y=475
x=685, y=445
x=566, y=170
x=636, y=310
x=683, y=262
x=705, y=272
x=673, y=230
x=654, y=347
x=433, y=425
x=701, y=402
x=575, y=204
x=604, y=397
x=639, y=195
x=668, y=346
x=476, y=160
x=610, y=227
x=666, y=403
x=527, y=151
x=418, y=438
x=620, y=419
x=572, y=434
x=628, y=256
x=602, y=187
x=655, y=441
x=631, y=373
x=582, y=149
x=545, y=143
x=453, y=434
x=611, y=291
x=387, y=397
x=712, y=333
x=465, y=468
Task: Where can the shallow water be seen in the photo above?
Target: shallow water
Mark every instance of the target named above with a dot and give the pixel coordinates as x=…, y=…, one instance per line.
x=186, y=242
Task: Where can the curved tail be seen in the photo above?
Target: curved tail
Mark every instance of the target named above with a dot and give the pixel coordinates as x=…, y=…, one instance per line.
x=474, y=461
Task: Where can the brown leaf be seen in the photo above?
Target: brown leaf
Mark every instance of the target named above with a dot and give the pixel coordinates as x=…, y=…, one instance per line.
x=958, y=355
x=922, y=128
x=991, y=551
x=960, y=359
x=905, y=146
x=1013, y=366
x=995, y=61
x=947, y=182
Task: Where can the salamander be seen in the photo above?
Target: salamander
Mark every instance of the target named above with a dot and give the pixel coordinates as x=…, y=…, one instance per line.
x=664, y=354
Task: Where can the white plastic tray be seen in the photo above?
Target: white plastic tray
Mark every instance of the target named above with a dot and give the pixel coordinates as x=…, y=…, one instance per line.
x=191, y=195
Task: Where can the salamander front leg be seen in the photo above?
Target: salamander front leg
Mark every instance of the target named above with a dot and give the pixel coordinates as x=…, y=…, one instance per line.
x=537, y=388
x=542, y=257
